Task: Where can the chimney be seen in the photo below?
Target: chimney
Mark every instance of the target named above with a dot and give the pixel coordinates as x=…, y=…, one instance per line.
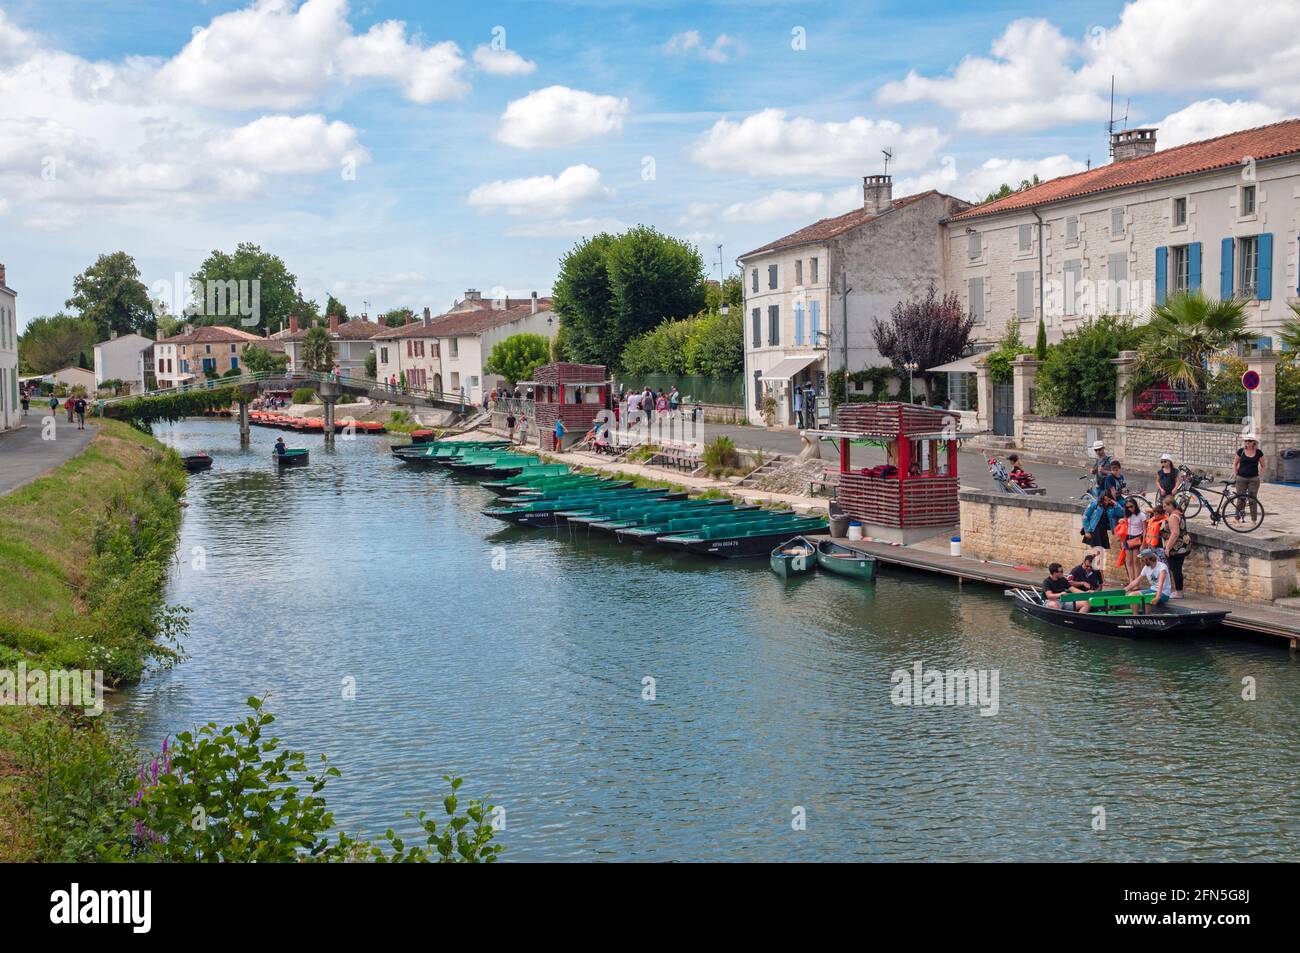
x=1132, y=144
x=877, y=192
x=534, y=302
x=334, y=323
x=428, y=320
x=472, y=294
x=293, y=324
x=2, y=274
x=158, y=334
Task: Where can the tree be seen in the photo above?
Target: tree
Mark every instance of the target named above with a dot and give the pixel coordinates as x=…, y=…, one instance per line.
x=372, y=365
x=660, y=351
x=925, y=331
x=612, y=288
x=276, y=297
x=335, y=308
x=1184, y=332
x=1040, y=345
x=397, y=317
x=1004, y=190
x=53, y=342
x=111, y=294
x=731, y=293
x=518, y=356
x=1291, y=331
x=1072, y=378
x=716, y=347
x=1000, y=359
x=261, y=360
x=317, y=350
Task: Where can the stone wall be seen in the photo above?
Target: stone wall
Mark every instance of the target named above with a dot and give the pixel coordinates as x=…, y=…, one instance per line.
x=1033, y=531
x=1066, y=438
x=1199, y=445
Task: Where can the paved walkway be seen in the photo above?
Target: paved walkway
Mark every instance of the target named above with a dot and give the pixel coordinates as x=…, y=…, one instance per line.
x=24, y=456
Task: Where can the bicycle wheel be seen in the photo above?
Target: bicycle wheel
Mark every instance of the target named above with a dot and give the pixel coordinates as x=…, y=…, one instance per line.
x=1143, y=503
x=1241, y=520
x=1190, y=503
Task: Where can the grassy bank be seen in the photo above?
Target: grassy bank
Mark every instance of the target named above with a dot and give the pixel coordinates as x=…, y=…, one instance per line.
x=84, y=555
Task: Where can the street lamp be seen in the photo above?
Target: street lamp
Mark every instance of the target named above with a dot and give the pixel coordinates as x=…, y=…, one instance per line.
x=911, y=367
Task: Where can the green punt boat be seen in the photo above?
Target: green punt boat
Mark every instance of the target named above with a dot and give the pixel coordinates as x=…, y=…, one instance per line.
x=793, y=558
x=844, y=561
x=565, y=489
x=459, y=446
x=599, y=507
x=550, y=506
x=471, y=464
x=292, y=457
x=551, y=517
x=682, y=525
x=534, y=490
x=629, y=516
x=731, y=541
x=529, y=477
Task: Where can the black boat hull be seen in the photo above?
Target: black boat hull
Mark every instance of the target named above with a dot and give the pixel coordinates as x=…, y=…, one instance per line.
x=1154, y=625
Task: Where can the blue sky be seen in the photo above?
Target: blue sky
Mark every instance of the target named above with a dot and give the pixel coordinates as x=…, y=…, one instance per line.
x=397, y=153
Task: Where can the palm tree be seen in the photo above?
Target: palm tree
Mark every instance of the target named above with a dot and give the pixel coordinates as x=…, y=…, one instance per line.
x=317, y=352
x=1291, y=330
x=1184, y=332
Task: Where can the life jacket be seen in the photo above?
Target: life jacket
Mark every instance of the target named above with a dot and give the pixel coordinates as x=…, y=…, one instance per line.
x=1152, y=536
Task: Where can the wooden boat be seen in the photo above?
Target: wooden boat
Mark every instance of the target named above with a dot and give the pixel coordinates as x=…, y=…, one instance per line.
x=844, y=561
x=743, y=539
x=293, y=456
x=794, y=557
x=197, y=461
x=1111, y=613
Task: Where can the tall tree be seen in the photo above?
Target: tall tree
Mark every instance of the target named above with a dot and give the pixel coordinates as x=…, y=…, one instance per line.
x=1184, y=332
x=317, y=350
x=925, y=331
x=518, y=356
x=397, y=317
x=276, y=296
x=60, y=340
x=333, y=307
x=612, y=288
x=111, y=294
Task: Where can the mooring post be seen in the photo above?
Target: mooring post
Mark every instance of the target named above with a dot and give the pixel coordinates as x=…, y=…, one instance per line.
x=243, y=423
x=329, y=420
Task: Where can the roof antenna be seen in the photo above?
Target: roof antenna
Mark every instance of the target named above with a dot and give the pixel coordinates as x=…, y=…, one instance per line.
x=1110, y=125
x=889, y=154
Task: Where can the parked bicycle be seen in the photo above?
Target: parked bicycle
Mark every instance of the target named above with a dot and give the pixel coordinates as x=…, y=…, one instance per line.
x=1239, y=512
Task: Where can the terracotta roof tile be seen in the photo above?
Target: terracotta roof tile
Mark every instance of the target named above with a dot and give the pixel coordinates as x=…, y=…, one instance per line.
x=212, y=334
x=828, y=228
x=1222, y=152
x=476, y=322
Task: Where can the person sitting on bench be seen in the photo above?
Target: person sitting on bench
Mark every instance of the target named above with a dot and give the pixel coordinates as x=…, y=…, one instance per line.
x=1154, y=578
x=1056, y=585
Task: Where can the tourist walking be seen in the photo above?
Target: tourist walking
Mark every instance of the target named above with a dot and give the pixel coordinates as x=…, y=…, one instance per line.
x=1178, y=543
x=26, y=401
x=1166, y=476
x=674, y=399
x=559, y=435
x=54, y=405
x=79, y=407
x=1248, y=469
x=523, y=430
x=70, y=406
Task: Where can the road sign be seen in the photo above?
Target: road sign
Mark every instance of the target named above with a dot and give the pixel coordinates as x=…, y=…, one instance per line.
x=1250, y=380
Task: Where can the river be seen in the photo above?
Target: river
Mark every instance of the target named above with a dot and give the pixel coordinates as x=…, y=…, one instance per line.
x=517, y=659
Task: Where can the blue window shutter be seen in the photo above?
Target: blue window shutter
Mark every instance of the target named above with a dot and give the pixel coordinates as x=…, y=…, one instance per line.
x=798, y=322
x=1162, y=274
x=1225, y=269
x=1265, y=282
x=1194, y=266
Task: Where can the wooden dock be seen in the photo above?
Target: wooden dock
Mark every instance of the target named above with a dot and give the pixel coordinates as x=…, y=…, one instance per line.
x=1261, y=619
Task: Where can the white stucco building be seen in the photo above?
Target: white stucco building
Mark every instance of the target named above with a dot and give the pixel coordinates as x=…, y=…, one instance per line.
x=127, y=358
x=800, y=324
x=10, y=409
x=409, y=354
x=349, y=340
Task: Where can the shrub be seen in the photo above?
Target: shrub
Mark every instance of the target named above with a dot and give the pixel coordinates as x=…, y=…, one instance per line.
x=303, y=395
x=1077, y=374
x=720, y=452
x=1008, y=349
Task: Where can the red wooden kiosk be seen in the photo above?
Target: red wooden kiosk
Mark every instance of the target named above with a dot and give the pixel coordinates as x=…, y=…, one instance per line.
x=914, y=495
x=574, y=393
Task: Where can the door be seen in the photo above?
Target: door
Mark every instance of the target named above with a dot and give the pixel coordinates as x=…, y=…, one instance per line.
x=1004, y=410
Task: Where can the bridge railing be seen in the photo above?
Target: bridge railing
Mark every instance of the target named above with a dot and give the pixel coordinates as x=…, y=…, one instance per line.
x=281, y=381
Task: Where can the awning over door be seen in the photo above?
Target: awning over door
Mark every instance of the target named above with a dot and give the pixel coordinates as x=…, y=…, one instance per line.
x=789, y=367
x=963, y=365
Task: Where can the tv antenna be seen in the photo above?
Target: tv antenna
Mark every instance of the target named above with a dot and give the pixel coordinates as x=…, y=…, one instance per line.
x=1110, y=125
x=888, y=154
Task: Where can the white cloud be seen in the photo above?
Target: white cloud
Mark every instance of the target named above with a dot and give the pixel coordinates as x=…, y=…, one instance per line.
x=1036, y=77
x=690, y=43
x=558, y=116
x=542, y=194
x=767, y=143
x=502, y=62
x=566, y=228
x=288, y=144
x=987, y=177
x=1213, y=117
x=784, y=205
x=278, y=56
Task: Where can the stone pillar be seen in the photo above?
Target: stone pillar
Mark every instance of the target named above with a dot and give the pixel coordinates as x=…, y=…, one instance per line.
x=330, y=392
x=984, y=394
x=1024, y=370
x=243, y=423
x=1262, y=408
x=1124, y=367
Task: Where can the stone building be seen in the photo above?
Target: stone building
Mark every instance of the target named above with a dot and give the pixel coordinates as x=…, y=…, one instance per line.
x=10, y=408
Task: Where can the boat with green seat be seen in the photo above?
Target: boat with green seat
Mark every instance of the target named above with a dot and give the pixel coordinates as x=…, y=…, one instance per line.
x=599, y=507
x=629, y=516
x=682, y=525
x=533, y=490
x=528, y=477
x=794, y=558
x=739, y=540
x=291, y=457
x=460, y=446
x=844, y=561
x=546, y=508
x=1112, y=612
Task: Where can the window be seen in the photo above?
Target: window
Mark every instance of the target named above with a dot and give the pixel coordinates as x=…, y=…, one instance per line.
x=1179, y=269
x=773, y=325
x=974, y=247
x=798, y=271
x=383, y=355
x=1073, y=273
x=814, y=322
x=812, y=262
x=975, y=299
x=1180, y=211
x=798, y=322
x=207, y=349
x=1117, y=284
x=758, y=323
x=771, y=276
x=232, y=349
x=1072, y=228
x=1025, y=239
x=754, y=278
x=1025, y=295
x=1247, y=200
x=1116, y=222
x=1248, y=275
x=453, y=348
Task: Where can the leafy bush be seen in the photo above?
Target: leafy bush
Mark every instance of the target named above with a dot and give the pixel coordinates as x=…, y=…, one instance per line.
x=1077, y=374
x=1008, y=349
x=715, y=346
x=518, y=356
x=720, y=453
x=143, y=411
x=303, y=395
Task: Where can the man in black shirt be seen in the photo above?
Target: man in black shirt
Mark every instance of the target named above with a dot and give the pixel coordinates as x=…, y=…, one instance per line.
x=1085, y=575
x=1055, y=585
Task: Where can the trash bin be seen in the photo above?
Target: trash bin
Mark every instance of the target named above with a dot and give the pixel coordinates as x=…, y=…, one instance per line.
x=1291, y=465
x=840, y=526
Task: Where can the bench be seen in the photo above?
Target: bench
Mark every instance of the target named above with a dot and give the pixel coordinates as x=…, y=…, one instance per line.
x=1109, y=601
x=681, y=456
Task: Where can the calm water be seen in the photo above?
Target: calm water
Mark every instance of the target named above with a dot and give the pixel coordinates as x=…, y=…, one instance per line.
x=527, y=680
